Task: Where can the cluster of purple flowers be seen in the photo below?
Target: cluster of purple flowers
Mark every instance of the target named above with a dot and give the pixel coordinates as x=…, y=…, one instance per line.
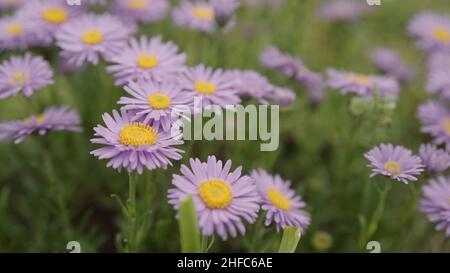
x=223, y=197
x=432, y=33
x=273, y=58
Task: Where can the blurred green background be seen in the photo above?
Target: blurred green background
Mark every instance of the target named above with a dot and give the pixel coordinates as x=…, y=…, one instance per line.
x=52, y=191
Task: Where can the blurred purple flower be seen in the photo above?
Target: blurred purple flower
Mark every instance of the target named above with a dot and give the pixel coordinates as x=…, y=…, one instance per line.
x=389, y=62
x=436, y=202
x=343, y=10
x=251, y=84
x=282, y=205
x=436, y=160
x=134, y=145
x=196, y=15
x=224, y=9
x=439, y=83
x=24, y=74
x=435, y=118
x=395, y=162
x=281, y=96
x=361, y=84
x=141, y=10
x=432, y=31
x=438, y=60
x=273, y=58
x=221, y=197
x=15, y=34
x=52, y=119
x=90, y=36
x=47, y=16
x=147, y=59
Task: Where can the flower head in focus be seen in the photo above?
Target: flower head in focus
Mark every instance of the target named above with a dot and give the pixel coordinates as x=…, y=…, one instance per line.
x=222, y=197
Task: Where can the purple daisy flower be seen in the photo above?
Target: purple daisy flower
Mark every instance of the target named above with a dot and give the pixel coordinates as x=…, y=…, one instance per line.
x=221, y=197
x=438, y=60
x=156, y=103
x=251, y=84
x=52, y=119
x=281, y=96
x=24, y=74
x=435, y=118
x=196, y=15
x=395, y=162
x=212, y=87
x=141, y=10
x=343, y=10
x=47, y=16
x=436, y=160
x=439, y=83
x=15, y=34
x=389, y=62
x=224, y=9
x=273, y=58
x=361, y=84
x=90, y=36
x=431, y=30
x=146, y=59
x=436, y=202
x=282, y=205
x=134, y=145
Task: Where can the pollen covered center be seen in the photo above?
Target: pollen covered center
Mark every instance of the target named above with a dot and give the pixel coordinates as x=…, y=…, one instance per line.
x=442, y=34
x=54, y=15
x=137, y=4
x=14, y=29
x=393, y=167
x=39, y=119
x=215, y=193
x=137, y=134
x=159, y=101
x=147, y=61
x=360, y=79
x=205, y=87
x=19, y=78
x=204, y=13
x=278, y=199
x=92, y=37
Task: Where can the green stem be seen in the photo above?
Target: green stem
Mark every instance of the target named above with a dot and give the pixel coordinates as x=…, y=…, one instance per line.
x=132, y=215
x=378, y=213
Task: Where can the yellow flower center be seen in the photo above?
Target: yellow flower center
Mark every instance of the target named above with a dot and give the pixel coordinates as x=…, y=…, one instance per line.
x=14, y=29
x=137, y=4
x=39, y=119
x=19, y=78
x=159, y=101
x=205, y=87
x=442, y=34
x=147, y=61
x=278, y=199
x=393, y=167
x=54, y=15
x=137, y=134
x=446, y=125
x=215, y=193
x=204, y=13
x=92, y=37
x=360, y=79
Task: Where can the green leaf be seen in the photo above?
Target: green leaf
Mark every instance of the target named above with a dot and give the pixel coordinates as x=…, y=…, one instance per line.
x=189, y=232
x=289, y=242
